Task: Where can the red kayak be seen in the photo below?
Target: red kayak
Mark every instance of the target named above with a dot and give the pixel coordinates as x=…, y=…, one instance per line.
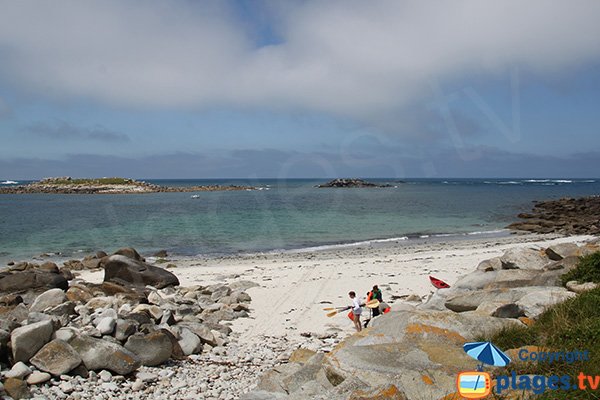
x=438, y=283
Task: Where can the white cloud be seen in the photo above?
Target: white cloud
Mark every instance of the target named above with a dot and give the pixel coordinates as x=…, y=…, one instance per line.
x=350, y=57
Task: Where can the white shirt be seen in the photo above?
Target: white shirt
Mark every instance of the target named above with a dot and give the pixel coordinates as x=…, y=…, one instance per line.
x=356, y=306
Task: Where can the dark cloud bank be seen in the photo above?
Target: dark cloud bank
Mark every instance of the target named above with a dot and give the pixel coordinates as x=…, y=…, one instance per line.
x=484, y=163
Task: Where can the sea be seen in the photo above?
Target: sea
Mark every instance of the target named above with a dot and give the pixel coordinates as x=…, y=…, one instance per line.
x=282, y=215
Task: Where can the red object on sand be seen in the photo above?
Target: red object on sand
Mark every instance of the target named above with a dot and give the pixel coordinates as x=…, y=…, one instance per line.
x=438, y=283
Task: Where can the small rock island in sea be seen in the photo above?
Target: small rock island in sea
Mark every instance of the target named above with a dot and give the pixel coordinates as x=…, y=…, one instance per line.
x=68, y=185
x=352, y=183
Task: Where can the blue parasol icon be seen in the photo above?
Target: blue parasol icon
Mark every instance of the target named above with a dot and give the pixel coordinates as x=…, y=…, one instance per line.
x=486, y=353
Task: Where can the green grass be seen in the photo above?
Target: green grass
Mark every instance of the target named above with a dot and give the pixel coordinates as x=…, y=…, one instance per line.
x=90, y=181
x=588, y=270
x=569, y=326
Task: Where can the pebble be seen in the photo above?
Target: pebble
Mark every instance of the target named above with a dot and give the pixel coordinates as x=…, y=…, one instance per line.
x=110, y=386
x=20, y=370
x=105, y=376
x=66, y=387
x=146, y=376
x=137, y=385
x=38, y=377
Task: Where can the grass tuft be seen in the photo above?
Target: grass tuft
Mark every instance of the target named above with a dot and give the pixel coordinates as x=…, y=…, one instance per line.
x=89, y=181
x=568, y=326
x=588, y=270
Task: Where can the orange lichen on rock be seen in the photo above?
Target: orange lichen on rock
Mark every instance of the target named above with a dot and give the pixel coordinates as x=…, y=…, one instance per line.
x=526, y=321
x=301, y=355
x=419, y=329
x=390, y=392
x=427, y=380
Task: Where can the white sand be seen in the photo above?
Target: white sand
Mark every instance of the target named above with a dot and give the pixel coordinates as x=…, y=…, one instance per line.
x=294, y=287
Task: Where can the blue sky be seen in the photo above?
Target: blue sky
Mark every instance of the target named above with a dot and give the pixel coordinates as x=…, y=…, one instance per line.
x=244, y=89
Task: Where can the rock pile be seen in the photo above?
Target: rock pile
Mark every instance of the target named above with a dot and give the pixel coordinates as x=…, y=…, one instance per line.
x=59, y=331
x=352, y=183
x=566, y=216
x=415, y=352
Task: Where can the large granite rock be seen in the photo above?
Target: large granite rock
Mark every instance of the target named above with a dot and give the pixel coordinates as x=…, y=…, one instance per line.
x=562, y=250
x=577, y=287
x=130, y=252
x=124, y=270
x=384, y=392
x=56, y=357
x=413, y=346
x=264, y=395
x=512, y=278
x=470, y=300
x=420, y=348
x=48, y=299
x=27, y=340
x=538, y=300
x=100, y=354
x=524, y=258
x=152, y=349
x=31, y=279
x=420, y=351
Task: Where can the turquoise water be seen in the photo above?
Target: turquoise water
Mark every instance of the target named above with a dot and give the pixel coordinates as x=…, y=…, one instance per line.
x=282, y=215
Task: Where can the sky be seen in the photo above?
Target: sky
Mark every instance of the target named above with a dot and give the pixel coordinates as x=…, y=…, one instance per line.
x=291, y=89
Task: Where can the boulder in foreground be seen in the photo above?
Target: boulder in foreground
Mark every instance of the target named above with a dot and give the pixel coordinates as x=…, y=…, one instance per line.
x=32, y=279
x=100, y=354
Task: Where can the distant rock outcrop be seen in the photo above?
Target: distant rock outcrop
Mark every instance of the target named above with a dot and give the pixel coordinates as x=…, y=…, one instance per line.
x=352, y=183
x=566, y=216
x=68, y=185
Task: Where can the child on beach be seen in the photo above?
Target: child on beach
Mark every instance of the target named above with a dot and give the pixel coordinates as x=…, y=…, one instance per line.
x=356, y=311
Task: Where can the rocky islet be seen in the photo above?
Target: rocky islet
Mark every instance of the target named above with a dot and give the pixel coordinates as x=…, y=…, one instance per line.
x=352, y=183
x=568, y=216
x=68, y=185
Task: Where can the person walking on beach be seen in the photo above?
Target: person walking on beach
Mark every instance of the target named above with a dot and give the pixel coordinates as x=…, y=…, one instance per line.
x=374, y=294
x=356, y=311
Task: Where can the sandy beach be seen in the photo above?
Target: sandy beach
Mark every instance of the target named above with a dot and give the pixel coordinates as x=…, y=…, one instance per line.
x=288, y=290
x=294, y=287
